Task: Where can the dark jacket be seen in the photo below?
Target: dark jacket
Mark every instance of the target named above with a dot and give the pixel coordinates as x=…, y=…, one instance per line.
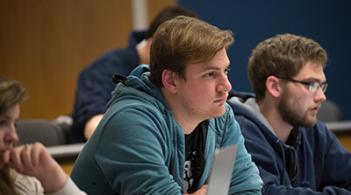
x=314, y=162
x=95, y=83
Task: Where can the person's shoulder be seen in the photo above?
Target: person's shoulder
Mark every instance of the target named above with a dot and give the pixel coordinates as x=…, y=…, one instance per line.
x=69, y=188
x=136, y=107
x=106, y=59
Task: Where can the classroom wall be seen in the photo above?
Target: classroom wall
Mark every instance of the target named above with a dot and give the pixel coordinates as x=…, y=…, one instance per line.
x=44, y=44
x=326, y=21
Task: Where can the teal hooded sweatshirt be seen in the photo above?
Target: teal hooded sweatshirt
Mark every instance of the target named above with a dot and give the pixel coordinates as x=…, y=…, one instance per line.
x=138, y=147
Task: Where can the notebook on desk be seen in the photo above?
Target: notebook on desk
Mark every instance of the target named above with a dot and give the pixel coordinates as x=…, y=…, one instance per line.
x=222, y=168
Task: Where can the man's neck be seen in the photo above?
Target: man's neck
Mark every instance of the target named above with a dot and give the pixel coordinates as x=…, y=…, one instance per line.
x=183, y=118
x=272, y=115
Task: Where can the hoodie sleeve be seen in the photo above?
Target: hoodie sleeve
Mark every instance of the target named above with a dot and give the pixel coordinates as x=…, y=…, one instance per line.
x=68, y=189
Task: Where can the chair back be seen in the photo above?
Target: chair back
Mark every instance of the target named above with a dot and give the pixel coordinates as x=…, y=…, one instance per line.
x=40, y=130
x=329, y=112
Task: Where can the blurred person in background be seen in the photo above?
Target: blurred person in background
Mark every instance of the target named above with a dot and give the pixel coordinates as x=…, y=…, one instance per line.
x=25, y=169
x=95, y=83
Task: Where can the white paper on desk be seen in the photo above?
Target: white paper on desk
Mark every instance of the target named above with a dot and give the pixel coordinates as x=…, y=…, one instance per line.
x=222, y=169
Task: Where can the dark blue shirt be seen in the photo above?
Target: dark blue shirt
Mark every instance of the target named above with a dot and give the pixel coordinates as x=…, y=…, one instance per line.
x=95, y=84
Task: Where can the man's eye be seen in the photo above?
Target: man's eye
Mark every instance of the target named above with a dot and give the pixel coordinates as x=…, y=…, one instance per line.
x=314, y=85
x=210, y=74
x=227, y=70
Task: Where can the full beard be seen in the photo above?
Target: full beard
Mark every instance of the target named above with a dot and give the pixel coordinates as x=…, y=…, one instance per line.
x=294, y=117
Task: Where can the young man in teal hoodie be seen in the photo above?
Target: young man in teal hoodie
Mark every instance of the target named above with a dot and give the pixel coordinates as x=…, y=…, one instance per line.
x=165, y=121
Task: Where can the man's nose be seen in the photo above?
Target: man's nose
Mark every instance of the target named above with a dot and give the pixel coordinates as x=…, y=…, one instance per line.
x=320, y=95
x=224, y=85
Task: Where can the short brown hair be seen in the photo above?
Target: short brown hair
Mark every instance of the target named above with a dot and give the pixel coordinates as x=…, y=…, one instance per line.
x=184, y=40
x=283, y=56
x=11, y=93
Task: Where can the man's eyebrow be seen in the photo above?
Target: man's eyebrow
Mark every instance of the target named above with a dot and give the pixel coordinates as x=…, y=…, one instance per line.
x=211, y=67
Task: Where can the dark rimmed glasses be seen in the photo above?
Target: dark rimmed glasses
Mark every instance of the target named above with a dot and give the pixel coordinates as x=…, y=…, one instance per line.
x=312, y=86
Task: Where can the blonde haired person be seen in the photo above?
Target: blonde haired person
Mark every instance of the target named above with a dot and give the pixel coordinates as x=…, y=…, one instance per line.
x=25, y=169
x=94, y=84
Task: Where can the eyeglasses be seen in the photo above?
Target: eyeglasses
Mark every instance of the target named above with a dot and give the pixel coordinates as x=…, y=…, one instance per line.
x=311, y=85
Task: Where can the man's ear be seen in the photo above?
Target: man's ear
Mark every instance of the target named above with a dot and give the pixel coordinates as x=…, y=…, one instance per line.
x=273, y=86
x=169, y=80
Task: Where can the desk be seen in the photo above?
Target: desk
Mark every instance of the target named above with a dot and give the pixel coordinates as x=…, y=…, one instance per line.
x=65, y=155
x=67, y=167
x=340, y=126
x=342, y=130
x=345, y=140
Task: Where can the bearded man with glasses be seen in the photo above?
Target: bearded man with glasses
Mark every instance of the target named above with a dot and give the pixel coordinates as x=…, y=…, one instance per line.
x=295, y=153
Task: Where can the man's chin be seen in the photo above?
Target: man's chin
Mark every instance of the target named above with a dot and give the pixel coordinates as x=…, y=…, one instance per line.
x=218, y=113
x=310, y=122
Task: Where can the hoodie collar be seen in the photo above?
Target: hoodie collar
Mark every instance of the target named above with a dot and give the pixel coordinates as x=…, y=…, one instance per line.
x=251, y=105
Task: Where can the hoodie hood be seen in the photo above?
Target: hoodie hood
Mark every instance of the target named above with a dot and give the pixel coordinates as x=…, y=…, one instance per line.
x=245, y=104
x=138, y=86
